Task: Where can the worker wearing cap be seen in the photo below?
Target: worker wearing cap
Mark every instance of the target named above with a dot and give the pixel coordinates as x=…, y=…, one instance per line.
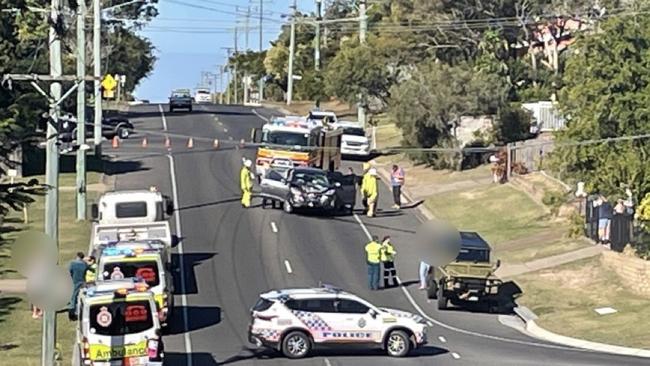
x=246, y=183
x=364, y=182
x=388, y=261
x=371, y=191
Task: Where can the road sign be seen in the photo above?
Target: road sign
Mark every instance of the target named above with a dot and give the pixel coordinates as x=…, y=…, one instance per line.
x=109, y=82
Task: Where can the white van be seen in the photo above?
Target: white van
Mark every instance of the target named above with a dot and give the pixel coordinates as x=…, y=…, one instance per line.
x=133, y=206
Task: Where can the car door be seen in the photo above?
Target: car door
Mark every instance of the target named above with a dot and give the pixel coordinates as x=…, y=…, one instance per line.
x=347, y=191
x=318, y=315
x=274, y=185
x=357, y=322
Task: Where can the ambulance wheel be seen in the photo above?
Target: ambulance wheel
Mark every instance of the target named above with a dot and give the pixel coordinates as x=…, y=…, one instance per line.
x=398, y=344
x=296, y=345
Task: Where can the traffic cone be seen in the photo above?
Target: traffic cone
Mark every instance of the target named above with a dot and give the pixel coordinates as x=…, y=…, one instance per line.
x=216, y=143
x=145, y=143
x=116, y=142
x=168, y=143
x=190, y=143
x=242, y=143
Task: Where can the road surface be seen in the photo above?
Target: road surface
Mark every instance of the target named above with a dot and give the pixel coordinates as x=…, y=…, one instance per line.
x=229, y=255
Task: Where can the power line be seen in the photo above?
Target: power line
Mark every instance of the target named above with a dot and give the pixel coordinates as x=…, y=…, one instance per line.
x=196, y=6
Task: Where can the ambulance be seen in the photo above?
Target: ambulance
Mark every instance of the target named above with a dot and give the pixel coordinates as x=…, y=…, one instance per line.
x=144, y=261
x=118, y=325
x=305, y=142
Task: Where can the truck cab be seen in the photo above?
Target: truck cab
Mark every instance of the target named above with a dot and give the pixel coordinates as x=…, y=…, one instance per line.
x=136, y=206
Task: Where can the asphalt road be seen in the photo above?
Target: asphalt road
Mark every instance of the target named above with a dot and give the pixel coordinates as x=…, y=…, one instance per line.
x=230, y=255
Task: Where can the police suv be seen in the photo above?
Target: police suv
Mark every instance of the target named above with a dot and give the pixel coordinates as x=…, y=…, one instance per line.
x=295, y=320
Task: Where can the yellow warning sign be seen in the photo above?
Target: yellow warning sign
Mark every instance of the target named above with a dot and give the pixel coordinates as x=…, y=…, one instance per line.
x=109, y=82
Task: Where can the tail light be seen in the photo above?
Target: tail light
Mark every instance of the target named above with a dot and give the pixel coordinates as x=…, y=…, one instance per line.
x=152, y=348
x=85, y=353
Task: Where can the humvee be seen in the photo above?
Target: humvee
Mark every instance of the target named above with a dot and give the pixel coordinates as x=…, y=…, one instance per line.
x=469, y=278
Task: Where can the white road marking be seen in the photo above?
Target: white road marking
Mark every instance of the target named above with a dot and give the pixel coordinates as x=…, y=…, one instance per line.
x=259, y=115
x=463, y=331
x=288, y=266
x=455, y=355
x=177, y=217
x=442, y=339
x=327, y=362
x=274, y=227
x=162, y=115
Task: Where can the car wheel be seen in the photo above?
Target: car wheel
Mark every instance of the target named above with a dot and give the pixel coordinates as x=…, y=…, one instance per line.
x=442, y=300
x=432, y=288
x=398, y=344
x=288, y=208
x=123, y=133
x=189, y=109
x=171, y=109
x=296, y=345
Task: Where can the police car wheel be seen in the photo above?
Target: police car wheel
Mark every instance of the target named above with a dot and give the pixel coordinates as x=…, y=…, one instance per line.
x=398, y=344
x=296, y=345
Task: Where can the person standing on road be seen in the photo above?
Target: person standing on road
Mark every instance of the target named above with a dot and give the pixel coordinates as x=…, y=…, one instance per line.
x=396, y=182
x=364, y=182
x=246, y=183
x=77, y=269
x=373, y=259
x=372, y=191
x=388, y=261
x=423, y=272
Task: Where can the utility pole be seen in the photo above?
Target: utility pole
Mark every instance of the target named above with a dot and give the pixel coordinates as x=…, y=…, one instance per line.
x=97, y=73
x=246, y=83
x=221, y=84
x=292, y=46
x=363, y=28
x=52, y=174
x=235, y=71
x=228, y=77
x=261, y=82
x=319, y=17
x=246, y=26
x=81, y=110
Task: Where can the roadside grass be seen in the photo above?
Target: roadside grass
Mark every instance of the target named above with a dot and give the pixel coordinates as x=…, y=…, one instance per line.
x=20, y=335
x=540, y=249
x=498, y=212
x=565, y=297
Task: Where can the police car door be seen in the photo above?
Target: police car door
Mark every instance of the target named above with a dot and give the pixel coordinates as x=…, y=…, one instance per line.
x=358, y=322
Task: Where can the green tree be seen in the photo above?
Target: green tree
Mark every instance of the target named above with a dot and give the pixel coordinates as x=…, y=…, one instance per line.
x=606, y=95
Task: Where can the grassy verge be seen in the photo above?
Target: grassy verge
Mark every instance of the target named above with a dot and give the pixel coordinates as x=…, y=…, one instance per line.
x=565, y=297
x=20, y=341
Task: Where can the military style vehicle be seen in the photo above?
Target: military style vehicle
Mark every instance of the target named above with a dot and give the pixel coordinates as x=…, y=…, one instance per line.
x=468, y=279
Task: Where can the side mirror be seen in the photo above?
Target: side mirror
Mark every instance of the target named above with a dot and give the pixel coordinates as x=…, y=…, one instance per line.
x=169, y=207
x=283, y=181
x=94, y=211
x=498, y=263
x=373, y=313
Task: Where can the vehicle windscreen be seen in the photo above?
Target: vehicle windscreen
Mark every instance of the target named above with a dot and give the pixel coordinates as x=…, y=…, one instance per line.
x=202, y=92
x=120, y=318
x=310, y=178
x=125, y=210
x=181, y=95
x=286, y=138
x=147, y=270
x=354, y=131
x=473, y=255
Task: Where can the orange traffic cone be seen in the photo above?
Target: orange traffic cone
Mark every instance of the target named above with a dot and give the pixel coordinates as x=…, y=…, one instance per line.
x=145, y=143
x=116, y=142
x=168, y=143
x=216, y=143
x=190, y=143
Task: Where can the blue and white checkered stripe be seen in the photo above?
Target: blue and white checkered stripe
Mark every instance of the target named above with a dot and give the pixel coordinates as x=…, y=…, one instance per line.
x=311, y=320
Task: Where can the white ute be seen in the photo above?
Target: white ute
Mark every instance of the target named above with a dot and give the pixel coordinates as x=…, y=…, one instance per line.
x=354, y=140
x=294, y=321
x=132, y=207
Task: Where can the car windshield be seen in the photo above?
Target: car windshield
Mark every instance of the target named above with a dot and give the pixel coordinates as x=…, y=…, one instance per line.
x=286, y=138
x=202, y=92
x=147, y=270
x=310, y=177
x=121, y=318
x=180, y=95
x=354, y=131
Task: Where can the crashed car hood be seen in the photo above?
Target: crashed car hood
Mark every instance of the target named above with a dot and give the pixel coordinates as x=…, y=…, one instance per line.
x=403, y=314
x=313, y=188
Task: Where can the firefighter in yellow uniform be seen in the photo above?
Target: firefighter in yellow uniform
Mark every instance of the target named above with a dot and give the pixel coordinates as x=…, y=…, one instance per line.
x=371, y=191
x=246, y=183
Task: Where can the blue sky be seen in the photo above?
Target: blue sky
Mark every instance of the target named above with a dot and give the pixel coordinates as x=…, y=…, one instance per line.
x=189, y=36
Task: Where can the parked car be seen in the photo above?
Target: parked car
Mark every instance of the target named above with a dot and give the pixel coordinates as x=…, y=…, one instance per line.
x=354, y=140
x=180, y=98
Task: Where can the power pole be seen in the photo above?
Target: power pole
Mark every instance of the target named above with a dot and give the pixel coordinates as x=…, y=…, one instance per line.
x=261, y=82
x=81, y=110
x=246, y=83
x=228, y=74
x=52, y=173
x=292, y=46
x=221, y=84
x=235, y=71
x=246, y=26
x=97, y=73
x=319, y=17
x=363, y=28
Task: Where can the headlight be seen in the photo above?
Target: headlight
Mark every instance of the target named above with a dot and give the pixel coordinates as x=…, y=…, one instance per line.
x=331, y=192
x=296, y=191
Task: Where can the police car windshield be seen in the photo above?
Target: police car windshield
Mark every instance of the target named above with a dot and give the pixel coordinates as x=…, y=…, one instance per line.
x=147, y=270
x=120, y=318
x=286, y=138
x=354, y=131
x=311, y=178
